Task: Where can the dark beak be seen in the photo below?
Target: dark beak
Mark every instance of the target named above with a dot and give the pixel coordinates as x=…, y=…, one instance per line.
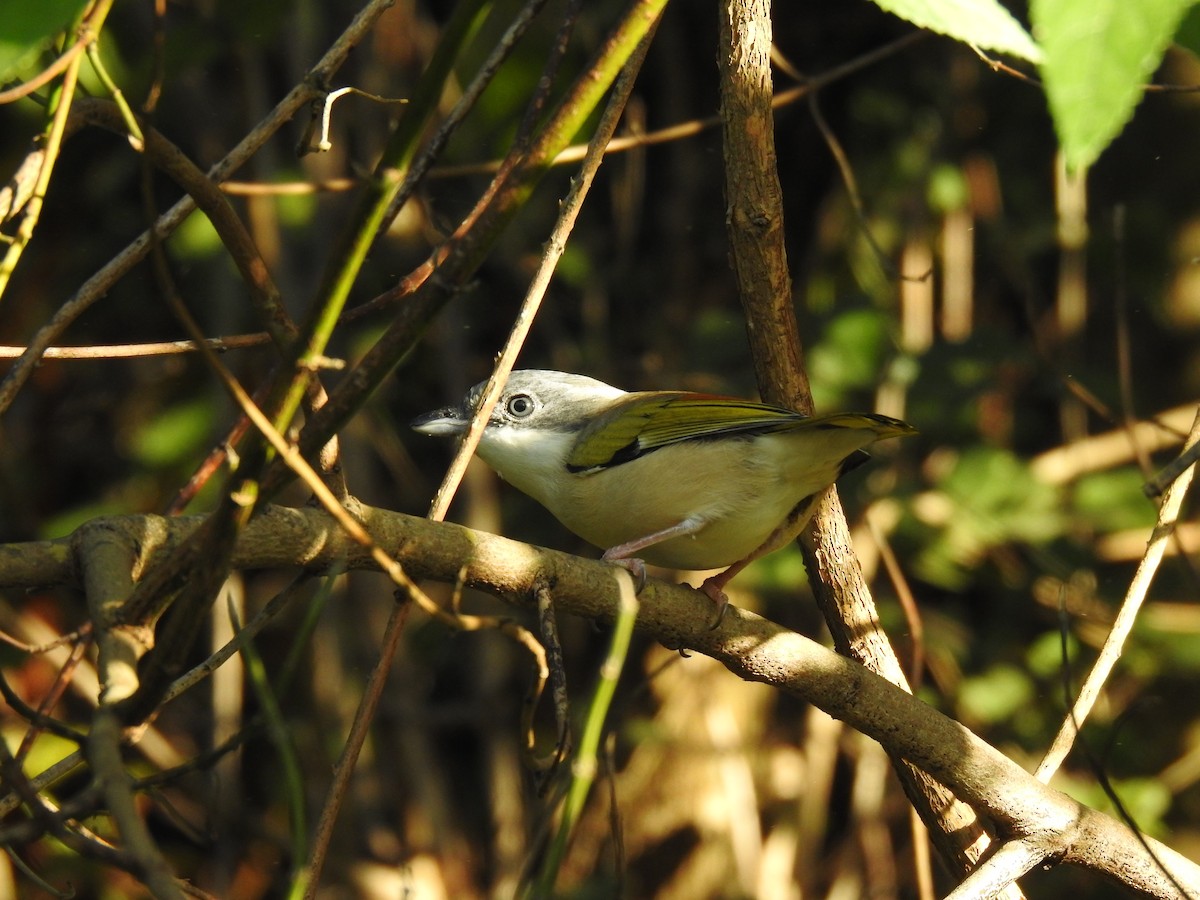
x=446, y=422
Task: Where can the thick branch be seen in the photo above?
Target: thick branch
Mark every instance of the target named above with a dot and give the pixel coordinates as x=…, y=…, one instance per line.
x=756, y=236
x=753, y=648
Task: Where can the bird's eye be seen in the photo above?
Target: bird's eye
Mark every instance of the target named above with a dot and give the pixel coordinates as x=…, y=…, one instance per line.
x=519, y=406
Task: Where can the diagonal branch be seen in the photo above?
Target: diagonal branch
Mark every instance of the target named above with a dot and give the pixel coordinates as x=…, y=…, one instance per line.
x=754, y=201
x=751, y=647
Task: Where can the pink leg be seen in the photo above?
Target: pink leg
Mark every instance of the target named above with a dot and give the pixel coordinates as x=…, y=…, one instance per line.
x=622, y=554
x=714, y=586
x=690, y=525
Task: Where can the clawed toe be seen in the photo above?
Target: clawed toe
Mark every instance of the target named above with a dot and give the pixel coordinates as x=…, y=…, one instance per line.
x=713, y=588
x=634, y=567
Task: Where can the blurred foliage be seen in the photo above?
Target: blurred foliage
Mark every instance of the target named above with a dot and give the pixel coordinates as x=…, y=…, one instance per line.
x=987, y=500
x=29, y=29
x=955, y=166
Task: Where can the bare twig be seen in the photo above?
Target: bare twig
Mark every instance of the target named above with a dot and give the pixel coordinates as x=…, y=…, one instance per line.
x=136, y=351
x=104, y=754
x=1111, y=652
x=116, y=268
x=548, y=627
x=846, y=170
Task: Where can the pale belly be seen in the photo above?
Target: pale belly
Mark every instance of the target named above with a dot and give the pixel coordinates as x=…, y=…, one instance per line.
x=738, y=490
x=743, y=504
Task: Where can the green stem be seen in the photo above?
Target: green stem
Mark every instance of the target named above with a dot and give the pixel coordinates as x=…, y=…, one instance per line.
x=278, y=734
x=584, y=766
x=61, y=108
x=348, y=259
x=456, y=261
x=127, y=116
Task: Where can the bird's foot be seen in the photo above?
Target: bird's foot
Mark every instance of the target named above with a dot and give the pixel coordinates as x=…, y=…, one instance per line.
x=633, y=566
x=714, y=589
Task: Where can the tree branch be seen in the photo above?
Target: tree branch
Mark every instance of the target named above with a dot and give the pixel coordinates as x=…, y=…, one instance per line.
x=755, y=223
x=751, y=647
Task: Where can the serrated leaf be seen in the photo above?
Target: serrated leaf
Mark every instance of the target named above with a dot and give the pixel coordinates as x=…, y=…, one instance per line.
x=1098, y=55
x=983, y=23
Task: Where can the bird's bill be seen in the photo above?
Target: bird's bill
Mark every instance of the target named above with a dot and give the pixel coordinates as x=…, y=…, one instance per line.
x=446, y=422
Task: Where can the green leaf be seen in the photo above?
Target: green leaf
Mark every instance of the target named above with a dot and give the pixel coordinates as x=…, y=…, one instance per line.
x=852, y=350
x=196, y=238
x=1188, y=34
x=174, y=434
x=989, y=499
x=1044, y=656
x=1098, y=55
x=63, y=523
x=27, y=28
x=995, y=695
x=1145, y=800
x=983, y=23
x=1114, y=500
x=998, y=499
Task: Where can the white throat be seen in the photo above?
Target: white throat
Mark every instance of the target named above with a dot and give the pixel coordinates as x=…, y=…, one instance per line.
x=530, y=459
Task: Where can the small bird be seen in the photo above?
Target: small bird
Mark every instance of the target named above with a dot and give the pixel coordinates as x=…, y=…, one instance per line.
x=670, y=478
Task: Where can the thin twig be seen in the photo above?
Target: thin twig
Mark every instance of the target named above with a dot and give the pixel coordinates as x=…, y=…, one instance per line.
x=62, y=679
x=151, y=348
x=585, y=766
x=1168, y=514
x=363, y=717
x=36, y=717
x=548, y=627
x=908, y=602
x=1172, y=471
x=99, y=284
x=84, y=37
x=851, y=184
x=555, y=246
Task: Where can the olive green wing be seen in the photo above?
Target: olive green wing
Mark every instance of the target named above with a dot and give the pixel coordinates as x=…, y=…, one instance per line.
x=645, y=422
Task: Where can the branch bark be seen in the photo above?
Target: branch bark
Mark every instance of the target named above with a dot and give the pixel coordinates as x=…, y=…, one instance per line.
x=756, y=233
x=751, y=647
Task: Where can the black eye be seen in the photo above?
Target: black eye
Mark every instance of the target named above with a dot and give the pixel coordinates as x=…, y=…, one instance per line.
x=519, y=406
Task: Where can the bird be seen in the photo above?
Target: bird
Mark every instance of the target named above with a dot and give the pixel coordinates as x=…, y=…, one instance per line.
x=675, y=479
